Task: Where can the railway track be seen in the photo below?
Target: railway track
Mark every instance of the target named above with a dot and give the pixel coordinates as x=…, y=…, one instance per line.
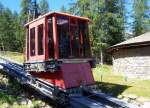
x=88, y=99
x=98, y=100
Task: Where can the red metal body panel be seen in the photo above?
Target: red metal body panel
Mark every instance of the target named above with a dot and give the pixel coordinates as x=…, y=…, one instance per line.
x=56, y=49
x=46, y=39
x=81, y=43
x=70, y=76
x=75, y=74
x=26, y=56
x=52, y=78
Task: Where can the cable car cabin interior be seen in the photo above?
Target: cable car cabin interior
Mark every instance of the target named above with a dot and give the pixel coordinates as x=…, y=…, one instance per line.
x=58, y=50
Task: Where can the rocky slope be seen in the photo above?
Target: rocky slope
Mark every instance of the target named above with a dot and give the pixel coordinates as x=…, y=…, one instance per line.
x=14, y=95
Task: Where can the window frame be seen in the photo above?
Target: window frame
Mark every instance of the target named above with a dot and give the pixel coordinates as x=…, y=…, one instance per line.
x=63, y=54
x=32, y=45
x=50, y=37
x=40, y=41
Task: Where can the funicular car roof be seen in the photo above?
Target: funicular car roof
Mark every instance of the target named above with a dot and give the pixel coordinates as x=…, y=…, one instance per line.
x=58, y=13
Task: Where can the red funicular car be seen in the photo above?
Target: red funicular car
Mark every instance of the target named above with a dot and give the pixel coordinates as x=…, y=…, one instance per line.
x=58, y=50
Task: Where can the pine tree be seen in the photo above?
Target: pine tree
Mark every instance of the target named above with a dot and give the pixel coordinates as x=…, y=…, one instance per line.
x=19, y=33
x=141, y=18
x=6, y=29
x=114, y=21
x=26, y=6
x=11, y=30
x=1, y=7
x=81, y=7
x=44, y=7
x=63, y=9
x=107, y=27
x=97, y=28
x=71, y=9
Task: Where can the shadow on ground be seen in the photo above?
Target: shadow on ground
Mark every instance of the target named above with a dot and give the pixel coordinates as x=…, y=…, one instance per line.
x=112, y=89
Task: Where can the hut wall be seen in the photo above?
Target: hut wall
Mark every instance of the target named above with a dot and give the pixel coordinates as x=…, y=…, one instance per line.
x=132, y=62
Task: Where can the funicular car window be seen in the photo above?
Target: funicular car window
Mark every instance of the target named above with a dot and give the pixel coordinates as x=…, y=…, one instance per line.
x=63, y=36
x=70, y=35
x=32, y=41
x=50, y=38
x=75, y=40
x=83, y=28
x=40, y=40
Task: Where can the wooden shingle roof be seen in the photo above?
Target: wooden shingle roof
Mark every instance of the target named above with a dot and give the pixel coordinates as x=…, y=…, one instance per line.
x=141, y=40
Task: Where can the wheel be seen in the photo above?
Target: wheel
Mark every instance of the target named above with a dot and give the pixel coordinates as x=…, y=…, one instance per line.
x=62, y=99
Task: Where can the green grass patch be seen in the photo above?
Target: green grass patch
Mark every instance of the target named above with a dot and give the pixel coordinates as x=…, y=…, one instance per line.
x=4, y=98
x=8, y=101
x=103, y=69
x=13, y=55
x=11, y=92
x=116, y=84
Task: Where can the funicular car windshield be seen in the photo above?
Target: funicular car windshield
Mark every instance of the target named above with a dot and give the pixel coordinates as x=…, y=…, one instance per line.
x=73, y=37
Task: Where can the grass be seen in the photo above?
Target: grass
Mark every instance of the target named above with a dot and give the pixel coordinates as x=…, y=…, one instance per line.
x=11, y=92
x=11, y=101
x=13, y=55
x=117, y=85
x=6, y=98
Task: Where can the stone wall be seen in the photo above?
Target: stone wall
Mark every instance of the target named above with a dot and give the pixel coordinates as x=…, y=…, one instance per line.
x=132, y=62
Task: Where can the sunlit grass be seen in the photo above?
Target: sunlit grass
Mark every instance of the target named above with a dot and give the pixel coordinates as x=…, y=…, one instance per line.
x=19, y=57
x=111, y=83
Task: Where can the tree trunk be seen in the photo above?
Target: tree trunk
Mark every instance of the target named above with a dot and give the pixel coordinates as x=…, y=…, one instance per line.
x=101, y=57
